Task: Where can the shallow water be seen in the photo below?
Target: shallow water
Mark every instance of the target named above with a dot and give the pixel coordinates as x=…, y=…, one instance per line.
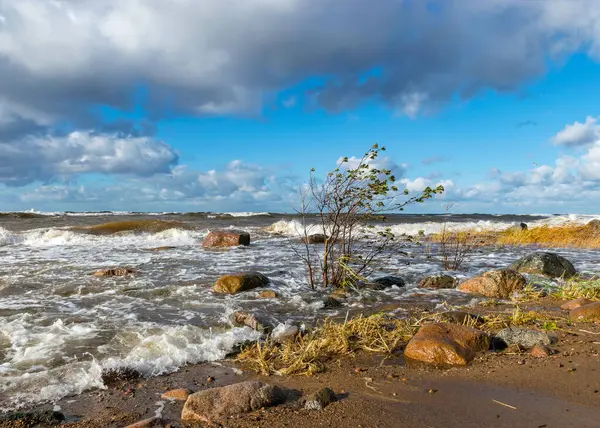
x=60, y=326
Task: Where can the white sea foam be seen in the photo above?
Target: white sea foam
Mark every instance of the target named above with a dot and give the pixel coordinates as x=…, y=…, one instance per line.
x=247, y=214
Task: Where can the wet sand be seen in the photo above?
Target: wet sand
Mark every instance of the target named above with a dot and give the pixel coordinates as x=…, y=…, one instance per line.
x=500, y=389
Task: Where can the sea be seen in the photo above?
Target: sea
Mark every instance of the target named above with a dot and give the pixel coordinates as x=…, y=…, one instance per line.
x=61, y=326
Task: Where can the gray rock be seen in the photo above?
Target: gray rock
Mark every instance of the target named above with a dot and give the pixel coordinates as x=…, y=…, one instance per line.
x=320, y=399
x=547, y=264
x=524, y=337
x=253, y=321
x=331, y=303
x=317, y=238
x=386, y=282
x=219, y=403
x=287, y=334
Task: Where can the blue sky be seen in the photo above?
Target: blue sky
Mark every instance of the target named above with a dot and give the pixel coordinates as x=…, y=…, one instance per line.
x=226, y=105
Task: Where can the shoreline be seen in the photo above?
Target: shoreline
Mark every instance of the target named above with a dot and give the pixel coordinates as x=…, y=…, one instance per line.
x=378, y=390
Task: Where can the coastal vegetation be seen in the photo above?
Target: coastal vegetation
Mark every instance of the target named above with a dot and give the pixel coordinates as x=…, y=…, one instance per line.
x=352, y=196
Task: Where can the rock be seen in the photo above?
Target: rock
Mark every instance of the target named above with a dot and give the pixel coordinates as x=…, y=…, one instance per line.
x=438, y=281
x=589, y=312
x=36, y=418
x=285, y=334
x=219, y=403
x=268, y=294
x=181, y=394
x=164, y=248
x=316, y=238
x=339, y=293
x=112, y=376
x=459, y=317
x=547, y=264
x=524, y=337
x=252, y=321
x=238, y=282
x=523, y=226
x=226, y=238
x=495, y=283
x=389, y=281
x=331, y=303
x=320, y=399
x=593, y=226
x=540, y=351
x=154, y=422
x=446, y=344
x=115, y=272
x=573, y=304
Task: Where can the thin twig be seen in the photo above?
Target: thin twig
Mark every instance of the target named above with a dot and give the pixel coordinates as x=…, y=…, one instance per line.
x=504, y=404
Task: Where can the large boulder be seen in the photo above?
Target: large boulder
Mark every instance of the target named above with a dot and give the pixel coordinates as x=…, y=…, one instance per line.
x=226, y=238
x=546, y=264
x=438, y=281
x=219, y=403
x=589, y=312
x=446, y=344
x=524, y=337
x=499, y=283
x=238, y=282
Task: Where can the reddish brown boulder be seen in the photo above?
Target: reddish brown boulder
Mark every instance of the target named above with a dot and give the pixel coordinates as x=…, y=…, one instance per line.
x=219, y=403
x=499, y=283
x=226, y=238
x=589, y=312
x=181, y=394
x=573, y=304
x=446, y=344
x=238, y=282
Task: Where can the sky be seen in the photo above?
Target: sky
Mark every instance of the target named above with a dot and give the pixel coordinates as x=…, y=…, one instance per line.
x=226, y=105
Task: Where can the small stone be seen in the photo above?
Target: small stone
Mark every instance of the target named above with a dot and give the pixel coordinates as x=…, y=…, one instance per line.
x=253, y=321
x=540, y=351
x=331, y=303
x=286, y=334
x=210, y=379
x=181, y=394
x=432, y=391
x=438, y=281
x=320, y=399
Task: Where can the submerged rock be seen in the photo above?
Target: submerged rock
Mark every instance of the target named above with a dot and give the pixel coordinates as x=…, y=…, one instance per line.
x=438, y=281
x=268, y=294
x=316, y=238
x=446, y=344
x=226, y=238
x=285, y=333
x=495, y=283
x=237, y=282
x=320, y=399
x=589, y=312
x=252, y=321
x=550, y=265
x=331, y=303
x=389, y=281
x=36, y=418
x=153, y=422
x=112, y=376
x=573, y=304
x=115, y=272
x=524, y=337
x=219, y=403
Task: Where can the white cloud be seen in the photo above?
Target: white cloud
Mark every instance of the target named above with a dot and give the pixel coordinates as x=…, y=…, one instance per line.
x=579, y=134
x=49, y=157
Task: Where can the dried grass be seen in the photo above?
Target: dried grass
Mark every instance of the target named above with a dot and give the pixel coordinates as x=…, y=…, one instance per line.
x=377, y=333
x=577, y=288
x=518, y=318
x=546, y=236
